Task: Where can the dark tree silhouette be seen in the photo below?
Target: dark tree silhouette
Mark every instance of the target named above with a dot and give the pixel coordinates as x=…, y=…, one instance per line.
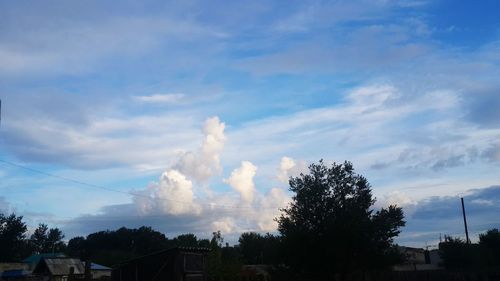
x=490, y=243
x=330, y=225
x=111, y=247
x=256, y=248
x=45, y=240
x=459, y=255
x=186, y=240
x=38, y=239
x=55, y=241
x=76, y=247
x=223, y=262
x=12, y=235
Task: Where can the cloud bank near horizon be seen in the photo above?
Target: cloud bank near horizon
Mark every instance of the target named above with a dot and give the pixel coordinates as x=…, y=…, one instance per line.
x=183, y=193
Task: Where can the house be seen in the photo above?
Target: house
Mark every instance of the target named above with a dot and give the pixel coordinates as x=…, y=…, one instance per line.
x=100, y=272
x=435, y=257
x=33, y=260
x=418, y=259
x=59, y=269
x=175, y=264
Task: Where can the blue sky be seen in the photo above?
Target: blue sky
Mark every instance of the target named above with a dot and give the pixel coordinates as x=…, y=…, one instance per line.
x=196, y=112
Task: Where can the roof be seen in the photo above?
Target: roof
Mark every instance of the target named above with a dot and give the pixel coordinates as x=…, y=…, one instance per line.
x=4, y=266
x=95, y=266
x=409, y=249
x=34, y=259
x=61, y=266
x=14, y=273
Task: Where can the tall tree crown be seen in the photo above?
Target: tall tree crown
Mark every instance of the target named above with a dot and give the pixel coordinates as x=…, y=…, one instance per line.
x=331, y=219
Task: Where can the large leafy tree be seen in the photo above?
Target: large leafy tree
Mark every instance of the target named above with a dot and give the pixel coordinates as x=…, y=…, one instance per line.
x=12, y=235
x=331, y=225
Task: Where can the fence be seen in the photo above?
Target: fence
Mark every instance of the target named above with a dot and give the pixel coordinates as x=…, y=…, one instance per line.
x=435, y=275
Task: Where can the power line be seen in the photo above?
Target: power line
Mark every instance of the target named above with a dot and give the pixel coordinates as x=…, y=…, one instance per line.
x=210, y=205
x=64, y=178
x=94, y=218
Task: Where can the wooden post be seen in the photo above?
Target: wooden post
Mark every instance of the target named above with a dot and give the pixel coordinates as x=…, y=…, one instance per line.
x=465, y=222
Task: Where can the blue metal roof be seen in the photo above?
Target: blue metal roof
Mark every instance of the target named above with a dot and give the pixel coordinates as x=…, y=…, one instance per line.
x=33, y=259
x=95, y=266
x=14, y=273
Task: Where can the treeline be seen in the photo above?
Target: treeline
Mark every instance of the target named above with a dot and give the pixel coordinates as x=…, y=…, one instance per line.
x=15, y=244
x=112, y=247
x=457, y=254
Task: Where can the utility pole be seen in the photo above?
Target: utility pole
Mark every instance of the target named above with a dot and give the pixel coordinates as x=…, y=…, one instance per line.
x=465, y=221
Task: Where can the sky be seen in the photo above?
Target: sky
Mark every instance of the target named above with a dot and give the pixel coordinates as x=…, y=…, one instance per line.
x=190, y=116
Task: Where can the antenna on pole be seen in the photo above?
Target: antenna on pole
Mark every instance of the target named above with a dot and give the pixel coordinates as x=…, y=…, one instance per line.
x=465, y=222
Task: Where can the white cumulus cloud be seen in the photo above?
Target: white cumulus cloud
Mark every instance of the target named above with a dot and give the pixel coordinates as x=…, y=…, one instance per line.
x=225, y=225
x=399, y=199
x=241, y=180
x=290, y=168
x=269, y=207
x=172, y=195
x=204, y=163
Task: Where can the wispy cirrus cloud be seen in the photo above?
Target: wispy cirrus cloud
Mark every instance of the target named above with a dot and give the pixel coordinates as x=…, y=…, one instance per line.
x=4, y=205
x=161, y=98
x=52, y=45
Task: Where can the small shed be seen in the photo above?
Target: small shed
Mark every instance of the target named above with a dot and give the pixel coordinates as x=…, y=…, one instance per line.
x=100, y=272
x=33, y=260
x=175, y=264
x=59, y=268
